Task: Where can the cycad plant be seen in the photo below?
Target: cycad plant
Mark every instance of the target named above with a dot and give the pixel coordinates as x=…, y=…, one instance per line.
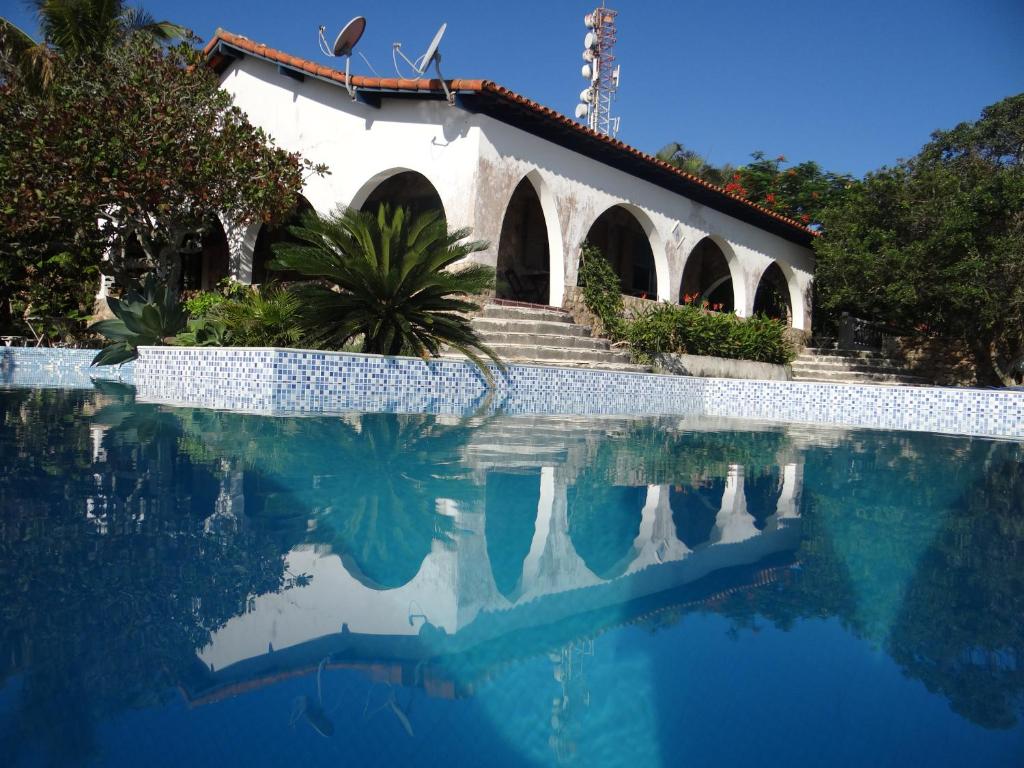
x=389, y=279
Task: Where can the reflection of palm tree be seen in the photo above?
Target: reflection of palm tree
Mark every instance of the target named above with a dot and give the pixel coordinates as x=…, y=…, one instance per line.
x=369, y=484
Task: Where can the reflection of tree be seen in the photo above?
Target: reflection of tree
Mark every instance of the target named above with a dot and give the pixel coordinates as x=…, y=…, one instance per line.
x=961, y=630
x=370, y=483
x=922, y=561
x=109, y=581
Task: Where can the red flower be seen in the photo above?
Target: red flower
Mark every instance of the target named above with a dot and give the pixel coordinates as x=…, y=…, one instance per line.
x=780, y=159
x=769, y=198
x=805, y=219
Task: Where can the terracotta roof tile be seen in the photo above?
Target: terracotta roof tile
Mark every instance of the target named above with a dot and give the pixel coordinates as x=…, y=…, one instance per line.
x=427, y=85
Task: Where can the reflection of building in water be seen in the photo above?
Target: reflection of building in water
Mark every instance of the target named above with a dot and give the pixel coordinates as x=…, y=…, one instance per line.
x=524, y=555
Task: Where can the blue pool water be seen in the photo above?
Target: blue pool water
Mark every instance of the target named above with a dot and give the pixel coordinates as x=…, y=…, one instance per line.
x=193, y=587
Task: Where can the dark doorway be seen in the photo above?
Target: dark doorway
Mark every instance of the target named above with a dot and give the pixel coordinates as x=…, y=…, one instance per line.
x=524, y=269
x=407, y=189
x=622, y=240
x=263, y=253
x=772, y=297
x=707, y=277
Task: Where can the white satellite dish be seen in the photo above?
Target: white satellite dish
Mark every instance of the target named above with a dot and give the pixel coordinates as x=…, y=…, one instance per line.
x=590, y=41
x=586, y=72
x=586, y=96
x=344, y=43
x=589, y=21
x=581, y=111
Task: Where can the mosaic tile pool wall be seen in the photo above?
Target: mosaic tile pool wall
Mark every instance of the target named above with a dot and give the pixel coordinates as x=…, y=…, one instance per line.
x=289, y=381
x=49, y=368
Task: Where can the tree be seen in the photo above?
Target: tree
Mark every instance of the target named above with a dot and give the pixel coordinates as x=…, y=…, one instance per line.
x=394, y=281
x=688, y=160
x=935, y=245
x=141, y=140
x=75, y=29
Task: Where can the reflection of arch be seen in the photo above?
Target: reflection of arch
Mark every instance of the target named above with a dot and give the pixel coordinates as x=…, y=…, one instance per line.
x=509, y=523
x=694, y=509
x=762, y=493
x=604, y=521
x=772, y=296
x=712, y=273
x=529, y=239
x=779, y=295
x=628, y=239
x=263, y=252
x=399, y=187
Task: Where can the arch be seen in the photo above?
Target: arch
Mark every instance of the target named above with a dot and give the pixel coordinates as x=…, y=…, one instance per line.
x=530, y=263
x=399, y=186
x=713, y=274
x=778, y=288
x=628, y=238
x=509, y=525
x=772, y=295
x=216, y=256
x=695, y=509
x=267, y=237
x=762, y=493
x=604, y=521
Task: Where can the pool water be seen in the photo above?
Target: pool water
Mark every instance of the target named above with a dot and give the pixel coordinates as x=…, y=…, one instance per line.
x=194, y=587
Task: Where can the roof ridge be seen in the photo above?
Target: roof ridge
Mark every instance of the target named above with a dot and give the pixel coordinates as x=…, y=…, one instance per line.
x=430, y=85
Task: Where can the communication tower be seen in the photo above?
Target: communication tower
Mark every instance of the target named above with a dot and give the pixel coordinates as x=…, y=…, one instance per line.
x=601, y=70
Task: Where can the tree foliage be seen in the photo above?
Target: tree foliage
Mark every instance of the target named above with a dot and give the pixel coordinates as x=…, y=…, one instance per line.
x=180, y=155
x=935, y=245
x=394, y=280
x=799, y=192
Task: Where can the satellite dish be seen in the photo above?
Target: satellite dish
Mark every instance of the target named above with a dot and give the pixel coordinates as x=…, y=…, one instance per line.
x=349, y=36
x=590, y=40
x=586, y=71
x=586, y=96
x=343, y=45
x=433, y=55
x=581, y=111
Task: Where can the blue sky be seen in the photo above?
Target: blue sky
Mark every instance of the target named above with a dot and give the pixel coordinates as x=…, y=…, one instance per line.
x=852, y=85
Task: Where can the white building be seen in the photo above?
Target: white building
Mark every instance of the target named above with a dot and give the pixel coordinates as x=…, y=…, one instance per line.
x=533, y=183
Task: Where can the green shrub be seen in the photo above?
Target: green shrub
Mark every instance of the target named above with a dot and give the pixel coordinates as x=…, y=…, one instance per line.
x=267, y=317
x=602, y=291
x=691, y=330
x=202, y=303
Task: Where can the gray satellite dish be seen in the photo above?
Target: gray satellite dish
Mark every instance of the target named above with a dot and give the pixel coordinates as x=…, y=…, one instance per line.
x=349, y=36
x=433, y=56
x=344, y=43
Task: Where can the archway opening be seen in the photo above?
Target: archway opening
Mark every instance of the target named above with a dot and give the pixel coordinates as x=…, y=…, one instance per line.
x=263, y=252
x=762, y=493
x=623, y=241
x=772, y=297
x=707, y=276
x=206, y=259
x=407, y=189
x=524, y=255
x=694, y=510
x=604, y=520
x=509, y=522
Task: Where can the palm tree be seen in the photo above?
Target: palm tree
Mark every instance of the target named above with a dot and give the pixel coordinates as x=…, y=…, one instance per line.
x=395, y=281
x=686, y=159
x=75, y=29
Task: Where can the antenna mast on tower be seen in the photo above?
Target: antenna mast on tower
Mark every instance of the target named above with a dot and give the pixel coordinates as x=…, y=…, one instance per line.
x=601, y=70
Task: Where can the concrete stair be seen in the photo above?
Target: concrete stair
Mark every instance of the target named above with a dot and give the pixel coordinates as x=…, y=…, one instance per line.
x=849, y=366
x=546, y=336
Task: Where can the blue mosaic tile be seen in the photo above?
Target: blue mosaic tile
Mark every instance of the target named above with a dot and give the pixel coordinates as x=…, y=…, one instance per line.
x=290, y=381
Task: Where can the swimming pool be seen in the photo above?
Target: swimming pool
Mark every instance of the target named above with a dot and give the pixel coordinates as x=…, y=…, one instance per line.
x=199, y=587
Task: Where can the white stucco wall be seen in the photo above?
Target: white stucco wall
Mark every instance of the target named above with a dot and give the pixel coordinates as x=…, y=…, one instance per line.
x=475, y=163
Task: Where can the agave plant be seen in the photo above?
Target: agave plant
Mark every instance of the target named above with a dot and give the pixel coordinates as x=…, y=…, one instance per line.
x=148, y=316
x=389, y=280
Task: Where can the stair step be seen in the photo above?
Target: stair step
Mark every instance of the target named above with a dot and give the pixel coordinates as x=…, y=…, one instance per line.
x=484, y=325
x=866, y=362
x=853, y=377
x=861, y=353
x=500, y=312
x=523, y=352
x=801, y=366
x=544, y=340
